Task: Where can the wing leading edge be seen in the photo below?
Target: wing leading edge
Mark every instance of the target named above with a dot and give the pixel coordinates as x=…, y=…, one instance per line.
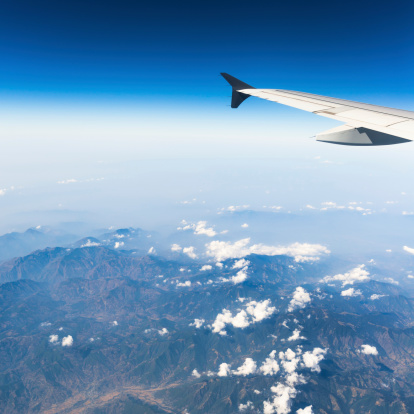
x=365, y=124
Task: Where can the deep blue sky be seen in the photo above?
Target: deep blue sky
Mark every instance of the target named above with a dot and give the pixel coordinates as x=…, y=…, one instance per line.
x=157, y=48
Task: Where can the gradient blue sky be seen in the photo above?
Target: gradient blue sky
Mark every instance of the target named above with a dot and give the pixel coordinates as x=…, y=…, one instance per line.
x=130, y=92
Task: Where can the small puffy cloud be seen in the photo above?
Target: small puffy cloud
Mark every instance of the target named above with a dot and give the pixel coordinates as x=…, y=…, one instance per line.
x=233, y=209
x=224, y=370
x=206, y=267
x=375, y=296
x=302, y=252
x=257, y=392
x=299, y=300
x=163, y=331
x=408, y=249
x=200, y=228
x=67, y=341
x=90, y=243
x=176, y=247
x=198, y=323
x=53, y=338
x=289, y=360
x=295, y=336
x=44, y=324
x=187, y=283
x=114, y=323
x=306, y=410
x=195, y=373
x=69, y=181
x=312, y=359
x=247, y=406
x=368, y=350
x=351, y=292
x=282, y=401
x=118, y=245
x=244, y=225
x=391, y=280
x=270, y=366
x=240, y=277
x=358, y=274
x=151, y=250
x=189, y=251
x=249, y=367
x=240, y=264
x=254, y=312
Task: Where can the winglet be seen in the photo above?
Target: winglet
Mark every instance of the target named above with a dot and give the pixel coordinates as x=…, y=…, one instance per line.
x=237, y=97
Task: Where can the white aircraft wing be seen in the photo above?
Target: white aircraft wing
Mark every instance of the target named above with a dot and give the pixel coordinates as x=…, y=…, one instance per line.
x=365, y=124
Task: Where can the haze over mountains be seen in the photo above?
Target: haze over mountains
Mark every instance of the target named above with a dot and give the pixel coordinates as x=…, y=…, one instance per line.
x=201, y=321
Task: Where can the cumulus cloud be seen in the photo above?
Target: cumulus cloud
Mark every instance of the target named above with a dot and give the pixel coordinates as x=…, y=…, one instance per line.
x=67, y=341
x=187, y=283
x=195, y=373
x=176, y=247
x=115, y=323
x=240, y=264
x=368, y=350
x=43, y=324
x=244, y=225
x=118, y=245
x=302, y=252
x=249, y=367
x=200, y=228
x=53, y=338
x=90, y=243
x=189, y=251
x=391, y=280
x=270, y=366
x=240, y=277
x=358, y=274
x=254, y=312
x=289, y=360
x=295, y=335
x=224, y=370
x=375, y=296
x=163, y=331
x=408, y=249
x=151, y=250
x=198, y=323
x=351, y=292
x=282, y=401
x=244, y=407
x=306, y=410
x=311, y=359
x=206, y=267
x=299, y=300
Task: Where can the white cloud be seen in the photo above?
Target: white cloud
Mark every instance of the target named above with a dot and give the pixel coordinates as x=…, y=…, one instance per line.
x=257, y=392
x=224, y=370
x=67, y=341
x=90, y=243
x=295, y=336
x=118, y=245
x=289, y=360
x=244, y=407
x=53, y=338
x=408, y=213
x=282, y=401
x=115, y=323
x=195, y=373
x=232, y=209
x=311, y=359
x=176, y=247
x=70, y=180
x=206, y=267
x=240, y=277
x=163, y=331
x=257, y=311
x=408, y=249
x=244, y=225
x=43, y=324
x=200, y=228
x=189, y=251
x=187, y=283
x=302, y=252
x=151, y=250
x=240, y=264
x=375, y=296
x=358, y=274
x=391, y=280
x=306, y=410
x=368, y=350
x=249, y=367
x=198, y=323
x=270, y=366
x=299, y=300
x=351, y=292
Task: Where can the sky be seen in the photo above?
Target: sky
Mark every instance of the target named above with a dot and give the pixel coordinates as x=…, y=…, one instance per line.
x=115, y=113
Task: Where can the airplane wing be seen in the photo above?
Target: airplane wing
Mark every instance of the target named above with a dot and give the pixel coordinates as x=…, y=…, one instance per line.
x=365, y=124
